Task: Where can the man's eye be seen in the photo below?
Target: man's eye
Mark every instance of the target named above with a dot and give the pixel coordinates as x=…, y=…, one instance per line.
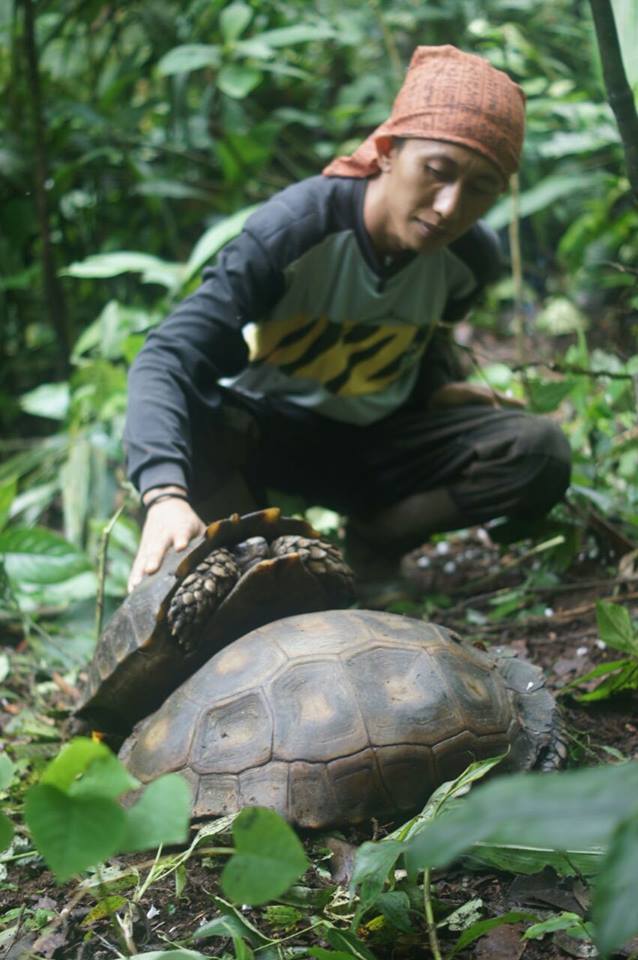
x=436, y=173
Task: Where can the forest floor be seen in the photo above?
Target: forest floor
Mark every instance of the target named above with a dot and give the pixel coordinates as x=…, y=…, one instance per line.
x=471, y=577
x=520, y=595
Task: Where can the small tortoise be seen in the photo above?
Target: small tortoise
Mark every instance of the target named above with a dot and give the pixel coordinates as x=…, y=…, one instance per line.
x=243, y=572
x=339, y=716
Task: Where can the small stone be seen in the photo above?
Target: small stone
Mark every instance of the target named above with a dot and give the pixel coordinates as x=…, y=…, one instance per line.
x=210, y=586
x=187, y=597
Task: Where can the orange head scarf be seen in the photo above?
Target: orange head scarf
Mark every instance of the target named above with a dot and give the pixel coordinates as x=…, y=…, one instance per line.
x=453, y=96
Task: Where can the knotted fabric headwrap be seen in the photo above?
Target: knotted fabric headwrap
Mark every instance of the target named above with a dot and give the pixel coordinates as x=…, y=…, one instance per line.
x=453, y=96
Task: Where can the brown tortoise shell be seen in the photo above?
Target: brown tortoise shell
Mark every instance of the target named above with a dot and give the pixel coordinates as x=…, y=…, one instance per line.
x=137, y=662
x=339, y=716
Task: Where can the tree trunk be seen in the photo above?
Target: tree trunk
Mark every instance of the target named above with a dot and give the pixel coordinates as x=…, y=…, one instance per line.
x=619, y=93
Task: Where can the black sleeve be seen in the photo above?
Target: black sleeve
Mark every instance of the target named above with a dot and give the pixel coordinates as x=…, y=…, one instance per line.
x=174, y=377
x=480, y=250
x=175, y=374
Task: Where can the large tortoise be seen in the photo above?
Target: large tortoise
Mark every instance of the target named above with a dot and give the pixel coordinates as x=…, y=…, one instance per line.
x=243, y=572
x=339, y=716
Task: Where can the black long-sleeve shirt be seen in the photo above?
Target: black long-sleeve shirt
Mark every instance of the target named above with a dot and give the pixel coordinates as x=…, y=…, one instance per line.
x=299, y=306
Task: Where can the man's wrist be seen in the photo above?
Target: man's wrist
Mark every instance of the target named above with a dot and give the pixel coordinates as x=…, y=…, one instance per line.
x=160, y=490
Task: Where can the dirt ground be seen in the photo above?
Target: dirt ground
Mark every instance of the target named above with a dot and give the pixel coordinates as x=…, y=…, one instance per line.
x=558, y=632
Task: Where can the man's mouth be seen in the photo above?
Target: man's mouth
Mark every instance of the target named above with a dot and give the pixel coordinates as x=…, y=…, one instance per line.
x=432, y=230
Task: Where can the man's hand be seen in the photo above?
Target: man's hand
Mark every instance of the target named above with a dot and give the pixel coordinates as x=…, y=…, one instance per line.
x=459, y=394
x=171, y=523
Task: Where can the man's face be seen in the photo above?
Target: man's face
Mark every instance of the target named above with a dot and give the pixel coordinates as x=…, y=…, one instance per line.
x=429, y=193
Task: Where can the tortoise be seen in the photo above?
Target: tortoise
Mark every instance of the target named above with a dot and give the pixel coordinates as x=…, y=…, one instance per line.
x=335, y=717
x=242, y=572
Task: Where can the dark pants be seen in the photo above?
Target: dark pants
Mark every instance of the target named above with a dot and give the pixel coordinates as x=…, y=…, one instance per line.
x=491, y=462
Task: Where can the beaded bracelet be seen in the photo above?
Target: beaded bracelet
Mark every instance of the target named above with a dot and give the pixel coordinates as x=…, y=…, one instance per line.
x=166, y=496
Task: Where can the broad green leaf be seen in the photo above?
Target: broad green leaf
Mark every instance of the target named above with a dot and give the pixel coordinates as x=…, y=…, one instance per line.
x=6, y=831
x=395, y=907
x=481, y=927
x=542, y=195
x=372, y=864
x=214, y=239
x=8, y=491
x=72, y=761
x=547, y=395
x=567, y=810
x=443, y=795
x=626, y=17
x=72, y=833
x=237, y=81
x=231, y=924
x=614, y=912
x=104, y=777
x=36, y=555
x=624, y=677
x=299, y=33
x=161, y=815
x=565, y=921
x=514, y=858
x=7, y=770
x=188, y=57
x=233, y=20
x=615, y=627
x=4, y=667
x=102, y=265
x=49, y=400
x=345, y=941
x=268, y=860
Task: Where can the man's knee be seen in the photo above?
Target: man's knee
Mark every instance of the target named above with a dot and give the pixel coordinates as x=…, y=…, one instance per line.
x=543, y=456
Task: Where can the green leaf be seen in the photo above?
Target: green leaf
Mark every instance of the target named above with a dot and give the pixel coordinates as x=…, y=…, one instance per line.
x=36, y=555
x=8, y=491
x=542, y=195
x=72, y=833
x=345, y=941
x=321, y=954
x=237, y=81
x=624, y=677
x=6, y=831
x=615, y=627
x=179, y=954
x=49, y=400
x=72, y=761
x=566, y=921
x=514, y=858
x=188, y=57
x=626, y=17
x=614, y=911
x=104, y=777
x=298, y=33
x=481, y=927
x=214, y=239
x=7, y=770
x=574, y=809
x=395, y=907
x=103, y=265
x=547, y=395
x=268, y=860
x=161, y=815
x=231, y=924
x=372, y=864
x=233, y=20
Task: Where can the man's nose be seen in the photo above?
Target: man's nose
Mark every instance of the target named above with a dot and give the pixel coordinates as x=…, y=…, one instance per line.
x=447, y=200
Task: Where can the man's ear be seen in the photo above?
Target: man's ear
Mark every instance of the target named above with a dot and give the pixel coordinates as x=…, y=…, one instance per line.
x=384, y=149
